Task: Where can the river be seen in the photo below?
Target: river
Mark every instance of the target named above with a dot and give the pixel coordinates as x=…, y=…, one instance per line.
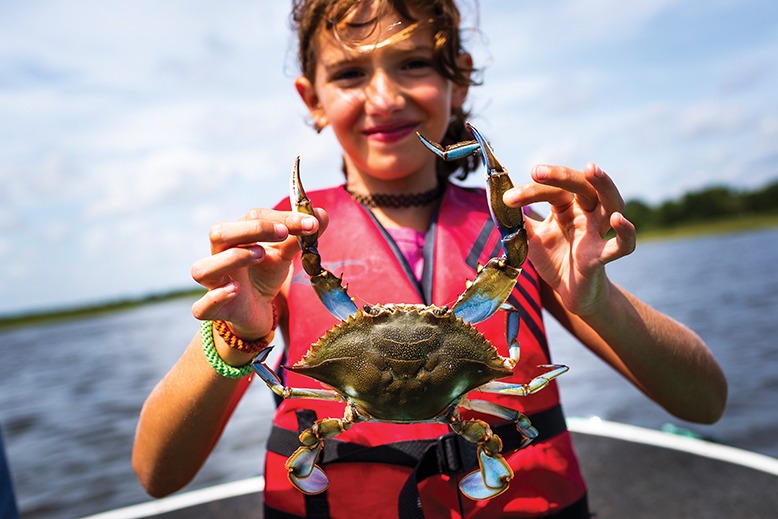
x=70, y=392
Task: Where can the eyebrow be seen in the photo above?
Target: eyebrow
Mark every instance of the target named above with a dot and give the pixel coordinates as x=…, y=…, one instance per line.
x=364, y=50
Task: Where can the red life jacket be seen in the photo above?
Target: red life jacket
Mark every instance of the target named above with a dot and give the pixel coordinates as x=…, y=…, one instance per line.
x=462, y=236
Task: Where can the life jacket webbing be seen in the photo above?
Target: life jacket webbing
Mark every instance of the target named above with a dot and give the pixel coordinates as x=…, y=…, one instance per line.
x=449, y=454
x=317, y=506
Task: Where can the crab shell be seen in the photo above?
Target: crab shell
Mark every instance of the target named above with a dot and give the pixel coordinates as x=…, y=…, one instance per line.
x=403, y=363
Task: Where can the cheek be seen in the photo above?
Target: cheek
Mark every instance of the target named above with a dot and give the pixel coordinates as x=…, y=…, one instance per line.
x=435, y=100
x=343, y=108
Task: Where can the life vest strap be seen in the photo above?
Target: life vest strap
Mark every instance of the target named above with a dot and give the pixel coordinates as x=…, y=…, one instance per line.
x=449, y=454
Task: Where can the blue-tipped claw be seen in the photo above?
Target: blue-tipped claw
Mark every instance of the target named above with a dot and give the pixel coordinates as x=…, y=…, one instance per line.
x=490, y=480
x=316, y=483
x=495, y=281
x=303, y=471
x=328, y=287
x=456, y=151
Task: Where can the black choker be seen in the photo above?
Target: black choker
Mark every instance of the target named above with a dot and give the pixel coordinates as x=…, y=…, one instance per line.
x=399, y=200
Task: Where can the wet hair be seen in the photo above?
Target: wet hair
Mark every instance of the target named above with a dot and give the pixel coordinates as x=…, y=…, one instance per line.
x=311, y=16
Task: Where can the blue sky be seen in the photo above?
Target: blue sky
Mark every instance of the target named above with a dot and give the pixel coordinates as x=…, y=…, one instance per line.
x=128, y=128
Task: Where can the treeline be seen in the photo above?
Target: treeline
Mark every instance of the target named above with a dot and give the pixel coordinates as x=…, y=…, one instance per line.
x=711, y=203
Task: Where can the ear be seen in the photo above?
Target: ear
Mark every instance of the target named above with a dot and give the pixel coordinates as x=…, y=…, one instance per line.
x=307, y=93
x=459, y=92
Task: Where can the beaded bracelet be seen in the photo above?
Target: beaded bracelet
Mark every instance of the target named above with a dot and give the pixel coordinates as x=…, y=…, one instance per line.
x=216, y=362
x=236, y=343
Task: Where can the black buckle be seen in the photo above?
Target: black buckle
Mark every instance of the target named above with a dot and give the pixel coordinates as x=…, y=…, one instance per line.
x=455, y=454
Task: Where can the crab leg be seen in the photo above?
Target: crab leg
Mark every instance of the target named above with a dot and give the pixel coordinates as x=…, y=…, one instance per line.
x=523, y=424
x=493, y=474
x=512, y=324
x=272, y=380
x=304, y=473
x=494, y=282
x=534, y=385
x=327, y=286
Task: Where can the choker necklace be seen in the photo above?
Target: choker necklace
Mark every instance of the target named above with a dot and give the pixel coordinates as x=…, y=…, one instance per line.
x=399, y=200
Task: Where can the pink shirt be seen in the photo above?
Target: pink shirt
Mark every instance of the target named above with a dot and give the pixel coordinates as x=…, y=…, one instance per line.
x=411, y=244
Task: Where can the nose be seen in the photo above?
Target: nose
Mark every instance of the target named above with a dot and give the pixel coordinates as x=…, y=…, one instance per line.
x=383, y=94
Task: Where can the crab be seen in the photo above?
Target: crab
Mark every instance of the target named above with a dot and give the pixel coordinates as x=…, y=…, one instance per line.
x=408, y=363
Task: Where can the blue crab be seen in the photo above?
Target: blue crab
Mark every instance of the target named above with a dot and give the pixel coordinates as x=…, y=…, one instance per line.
x=403, y=363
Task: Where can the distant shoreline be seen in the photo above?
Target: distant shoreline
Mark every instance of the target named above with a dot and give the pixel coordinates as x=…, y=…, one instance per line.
x=92, y=310
x=692, y=230
x=718, y=226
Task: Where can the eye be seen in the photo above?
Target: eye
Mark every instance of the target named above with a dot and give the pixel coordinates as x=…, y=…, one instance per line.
x=417, y=63
x=346, y=77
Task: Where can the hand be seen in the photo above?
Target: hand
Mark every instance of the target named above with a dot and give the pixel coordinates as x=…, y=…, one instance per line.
x=250, y=260
x=569, y=248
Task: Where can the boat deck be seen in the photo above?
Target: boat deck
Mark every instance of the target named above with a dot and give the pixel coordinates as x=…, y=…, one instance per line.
x=631, y=472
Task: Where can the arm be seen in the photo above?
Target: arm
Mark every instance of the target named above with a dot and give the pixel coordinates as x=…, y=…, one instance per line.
x=185, y=414
x=663, y=358
x=183, y=418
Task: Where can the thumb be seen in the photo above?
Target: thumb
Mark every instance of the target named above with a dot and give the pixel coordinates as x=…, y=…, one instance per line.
x=289, y=247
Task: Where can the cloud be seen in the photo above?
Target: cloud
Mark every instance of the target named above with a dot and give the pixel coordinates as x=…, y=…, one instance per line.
x=129, y=128
x=711, y=119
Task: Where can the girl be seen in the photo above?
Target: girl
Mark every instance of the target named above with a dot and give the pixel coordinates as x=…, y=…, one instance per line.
x=376, y=72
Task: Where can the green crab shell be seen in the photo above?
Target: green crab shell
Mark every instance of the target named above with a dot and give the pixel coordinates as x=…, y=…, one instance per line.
x=403, y=363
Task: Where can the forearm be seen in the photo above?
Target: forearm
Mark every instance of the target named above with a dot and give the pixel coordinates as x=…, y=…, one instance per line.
x=182, y=419
x=664, y=358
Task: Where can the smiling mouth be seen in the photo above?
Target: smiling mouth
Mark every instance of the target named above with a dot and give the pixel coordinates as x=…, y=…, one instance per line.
x=390, y=133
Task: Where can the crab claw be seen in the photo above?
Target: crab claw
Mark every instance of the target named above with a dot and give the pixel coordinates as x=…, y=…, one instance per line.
x=509, y=220
x=455, y=151
x=303, y=471
x=496, y=279
x=327, y=286
x=491, y=479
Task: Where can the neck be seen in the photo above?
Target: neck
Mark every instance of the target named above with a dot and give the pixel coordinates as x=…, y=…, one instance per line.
x=416, y=218
x=406, y=200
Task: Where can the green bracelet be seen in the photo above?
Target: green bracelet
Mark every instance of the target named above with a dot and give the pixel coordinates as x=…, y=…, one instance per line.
x=216, y=362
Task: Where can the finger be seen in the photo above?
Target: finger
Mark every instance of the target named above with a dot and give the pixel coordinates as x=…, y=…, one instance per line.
x=296, y=223
x=290, y=247
x=262, y=225
x=208, y=306
x=625, y=241
x=214, y=271
x=607, y=192
x=570, y=180
x=226, y=235
x=533, y=193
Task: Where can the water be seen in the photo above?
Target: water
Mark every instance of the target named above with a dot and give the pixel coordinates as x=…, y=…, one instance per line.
x=70, y=393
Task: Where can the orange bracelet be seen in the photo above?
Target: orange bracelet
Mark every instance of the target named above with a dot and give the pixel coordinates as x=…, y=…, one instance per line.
x=236, y=343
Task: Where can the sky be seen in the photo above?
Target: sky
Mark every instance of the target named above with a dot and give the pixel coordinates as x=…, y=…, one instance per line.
x=128, y=128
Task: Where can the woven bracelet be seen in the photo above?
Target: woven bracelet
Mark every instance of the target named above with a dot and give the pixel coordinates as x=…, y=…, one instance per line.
x=236, y=343
x=216, y=362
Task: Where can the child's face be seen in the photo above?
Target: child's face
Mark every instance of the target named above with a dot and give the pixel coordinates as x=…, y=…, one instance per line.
x=378, y=94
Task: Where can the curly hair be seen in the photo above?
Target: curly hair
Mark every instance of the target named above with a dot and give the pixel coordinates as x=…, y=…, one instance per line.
x=311, y=16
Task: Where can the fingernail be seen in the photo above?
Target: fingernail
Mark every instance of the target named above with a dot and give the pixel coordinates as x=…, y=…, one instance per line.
x=308, y=223
x=230, y=289
x=280, y=231
x=511, y=197
x=541, y=172
x=257, y=252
